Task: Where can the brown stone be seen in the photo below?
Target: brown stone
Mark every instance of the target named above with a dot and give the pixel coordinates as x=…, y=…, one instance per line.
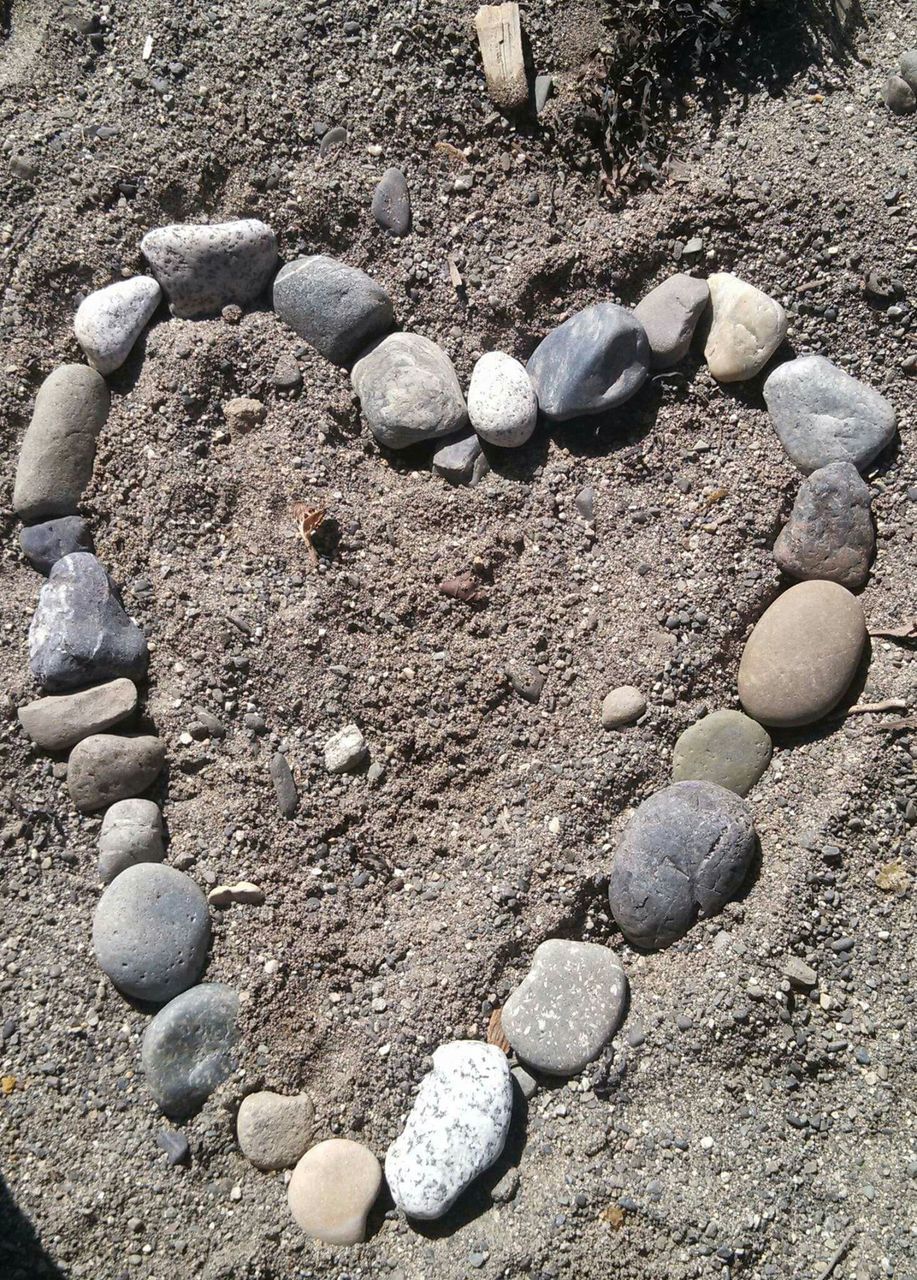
x=105, y=767
x=333, y=1188
x=57, y=723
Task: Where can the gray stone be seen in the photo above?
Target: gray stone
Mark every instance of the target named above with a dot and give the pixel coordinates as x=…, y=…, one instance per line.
x=345, y=750
x=79, y=633
x=275, y=1131
x=204, y=268
x=686, y=851
x=109, y=321
x=669, y=314
x=899, y=96
x=391, y=205
x=622, y=706
x=104, y=768
x=823, y=415
x=502, y=404
x=567, y=1007
x=594, y=361
x=830, y=532
x=798, y=972
x=44, y=544
x=59, y=446
x=455, y=459
x=528, y=1085
x=527, y=680
x=338, y=309
x=907, y=66
x=335, y=137
x=175, y=1145
x=746, y=328
x=187, y=1049
x=543, y=85
x=409, y=391
x=131, y=833
x=284, y=786
x=58, y=723
x=726, y=747
x=151, y=931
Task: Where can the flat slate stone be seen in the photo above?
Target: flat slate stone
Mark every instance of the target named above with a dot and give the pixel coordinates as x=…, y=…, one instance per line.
x=332, y=1190
x=567, y=1007
x=455, y=460
x=44, y=544
x=109, y=321
x=391, y=205
x=131, y=833
x=823, y=415
x=409, y=391
x=725, y=747
x=502, y=404
x=669, y=315
x=187, y=1049
x=151, y=931
x=830, y=532
x=746, y=328
x=284, y=785
x=104, y=768
x=274, y=1131
x=592, y=362
x=801, y=657
x=338, y=309
x=456, y=1129
x=204, y=268
x=686, y=851
x=60, y=722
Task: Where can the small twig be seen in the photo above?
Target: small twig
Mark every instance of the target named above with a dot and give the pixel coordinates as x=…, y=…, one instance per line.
x=890, y=726
x=908, y=631
x=890, y=704
x=837, y=1255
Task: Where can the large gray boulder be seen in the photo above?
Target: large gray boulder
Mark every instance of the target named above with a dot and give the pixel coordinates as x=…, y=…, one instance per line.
x=338, y=309
x=203, y=268
x=592, y=362
x=830, y=532
x=409, y=391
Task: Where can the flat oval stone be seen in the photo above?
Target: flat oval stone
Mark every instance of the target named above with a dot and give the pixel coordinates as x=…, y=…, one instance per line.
x=338, y=309
x=686, y=851
x=187, y=1049
x=109, y=321
x=409, y=391
x=725, y=747
x=622, y=706
x=59, y=446
x=592, y=362
x=823, y=415
x=151, y=931
x=746, y=328
x=802, y=655
x=58, y=723
x=204, y=268
x=391, y=205
x=332, y=1190
x=502, y=404
x=284, y=785
x=456, y=1129
x=830, y=532
x=669, y=315
x=44, y=544
x=274, y=1131
x=131, y=833
x=104, y=768
x=567, y=1007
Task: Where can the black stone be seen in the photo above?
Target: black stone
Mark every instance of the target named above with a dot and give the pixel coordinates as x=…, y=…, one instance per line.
x=44, y=544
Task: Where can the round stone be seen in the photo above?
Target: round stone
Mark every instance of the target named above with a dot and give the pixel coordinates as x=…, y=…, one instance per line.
x=592, y=362
x=273, y=1130
x=338, y=309
x=131, y=833
x=58, y=723
x=44, y=544
x=187, y=1049
x=669, y=315
x=502, y=404
x=727, y=748
x=830, y=532
x=109, y=321
x=622, y=706
x=899, y=96
x=746, y=328
x=392, y=203
x=151, y=932
x=104, y=768
x=409, y=391
x=204, y=268
x=332, y=1190
x=802, y=655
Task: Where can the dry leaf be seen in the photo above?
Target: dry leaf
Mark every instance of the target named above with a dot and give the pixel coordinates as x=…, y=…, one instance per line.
x=495, y=1031
x=613, y=1216
x=716, y=496
x=452, y=152
x=893, y=877
x=464, y=587
x=308, y=519
x=908, y=631
x=455, y=276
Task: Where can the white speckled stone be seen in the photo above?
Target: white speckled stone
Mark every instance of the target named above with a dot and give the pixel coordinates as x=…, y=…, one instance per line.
x=109, y=321
x=456, y=1130
x=502, y=404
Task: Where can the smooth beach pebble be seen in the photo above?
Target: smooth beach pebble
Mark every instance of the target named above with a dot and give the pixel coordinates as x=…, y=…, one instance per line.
x=409, y=391
x=131, y=833
x=109, y=321
x=622, y=706
x=594, y=361
x=669, y=315
x=338, y=309
x=332, y=1190
x=106, y=767
x=203, y=268
x=188, y=1048
x=274, y=1130
x=502, y=404
x=60, y=722
x=725, y=747
x=746, y=328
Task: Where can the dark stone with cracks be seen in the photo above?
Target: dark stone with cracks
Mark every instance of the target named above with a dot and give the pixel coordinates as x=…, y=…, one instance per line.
x=284, y=786
x=187, y=1049
x=830, y=532
x=338, y=309
x=44, y=544
x=592, y=362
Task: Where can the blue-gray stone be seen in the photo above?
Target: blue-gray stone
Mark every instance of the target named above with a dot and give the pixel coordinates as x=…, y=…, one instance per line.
x=44, y=544
x=455, y=460
x=338, y=309
x=392, y=203
x=175, y=1145
x=592, y=362
x=187, y=1049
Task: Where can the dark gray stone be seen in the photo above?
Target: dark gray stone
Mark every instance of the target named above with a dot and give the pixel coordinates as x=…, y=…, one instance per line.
x=44, y=544
x=338, y=309
x=187, y=1049
x=105, y=767
x=687, y=850
x=907, y=67
x=527, y=680
x=335, y=137
x=175, y=1145
x=80, y=634
x=830, y=532
x=899, y=96
x=392, y=203
x=594, y=361
x=60, y=722
x=669, y=314
x=455, y=459
x=726, y=747
x=543, y=85
x=131, y=833
x=284, y=786
x=204, y=268
x=409, y=391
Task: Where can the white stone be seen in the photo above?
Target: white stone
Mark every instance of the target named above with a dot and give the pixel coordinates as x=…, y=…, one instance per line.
x=345, y=750
x=746, y=328
x=502, y=404
x=622, y=706
x=109, y=321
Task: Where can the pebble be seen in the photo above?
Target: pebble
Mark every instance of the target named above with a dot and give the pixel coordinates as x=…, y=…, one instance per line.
x=175, y=1145
x=907, y=67
x=274, y=1131
x=338, y=309
x=592, y=362
x=243, y=414
x=59, y=446
x=409, y=391
x=109, y=321
x=830, y=532
x=243, y=892
x=799, y=973
x=727, y=748
x=669, y=315
x=131, y=833
x=622, y=706
x=567, y=1007
x=527, y=680
x=203, y=268
x=823, y=415
x=457, y=1128
x=44, y=544
x=104, y=768
x=686, y=850
x=58, y=723
x=151, y=931
x=502, y=404
x=802, y=655
x=332, y=1190
x=391, y=205
x=284, y=786
x=543, y=86
x=188, y=1047
x=746, y=328
x=79, y=633
x=335, y=137
x=456, y=459
x=345, y=750
x=898, y=96
x=528, y=1085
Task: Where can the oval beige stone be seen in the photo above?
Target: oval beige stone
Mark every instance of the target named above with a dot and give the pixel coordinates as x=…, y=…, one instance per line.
x=332, y=1190
x=746, y=328
x=802, y=655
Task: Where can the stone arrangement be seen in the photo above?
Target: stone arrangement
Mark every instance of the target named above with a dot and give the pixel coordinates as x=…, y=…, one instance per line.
x=686, y=850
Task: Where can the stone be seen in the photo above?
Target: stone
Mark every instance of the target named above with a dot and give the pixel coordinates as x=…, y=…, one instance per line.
x=802, y=655
x=746, y=328
x=204, y=268
x=725, y=747
x=345, y=750
x=409, y=391
x=527, y=680
x=59, y=446
x=669, y=315
x=275, y=1131
x=543, y=86
x=187, y=1049
x=899, y=96
x=391, y=205
x=109, y=321
x=243, y=892
x=907, y=67
x=151, y=931
x=104, y=768
x=527, y=1084
x=175, y=1145
x=44, y=544
x=830, y=532
x=334, y=137
x=594, y=361
x=502, y=404
x=622, y=706
x=338, y=309
x=798, y=972
x=455, y=460
x=79, y=633
x=131, y=833
x=457, y=1128
x=685, y=852
x=243, y=413
x=823, y=415
x=332, y=1190
x=284, y=785
x=59, y=723
x=567, y=1007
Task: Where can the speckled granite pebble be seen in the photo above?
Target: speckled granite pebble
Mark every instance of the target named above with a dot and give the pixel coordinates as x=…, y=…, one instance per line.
x=502, y=404
x=109, y=321
x=203, y=268
x=187, y=1048
x=332, y=1190
x=725, y=747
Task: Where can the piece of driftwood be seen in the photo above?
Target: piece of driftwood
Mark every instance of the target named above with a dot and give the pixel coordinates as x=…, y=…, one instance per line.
x=500, y=37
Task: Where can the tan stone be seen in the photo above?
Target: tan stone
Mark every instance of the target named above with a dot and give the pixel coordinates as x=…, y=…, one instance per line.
x=61, y=721
x=622, y=706
x=332, y=1190
x=274, y=1131
x=746, y=328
